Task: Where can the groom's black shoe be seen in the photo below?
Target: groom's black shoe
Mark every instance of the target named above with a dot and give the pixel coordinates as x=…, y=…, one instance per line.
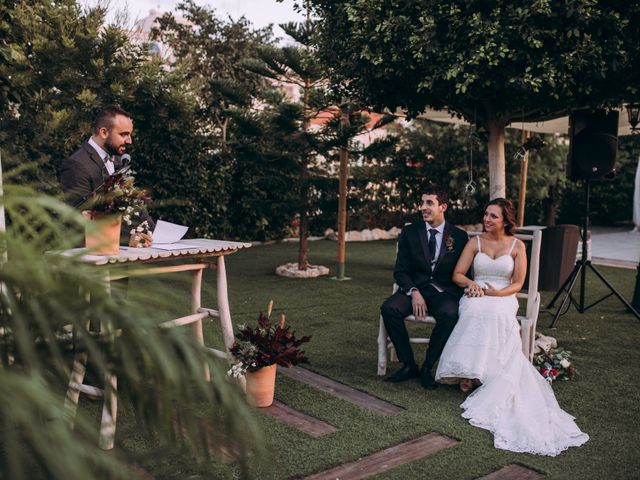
x=426, y=379
x=407, y=372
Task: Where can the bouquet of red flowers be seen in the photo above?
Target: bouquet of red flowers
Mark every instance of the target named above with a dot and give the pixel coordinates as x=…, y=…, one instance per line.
x=555, y=364
x=265, y=345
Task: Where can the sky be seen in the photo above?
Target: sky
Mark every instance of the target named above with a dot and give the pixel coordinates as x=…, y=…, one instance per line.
x=259, y=12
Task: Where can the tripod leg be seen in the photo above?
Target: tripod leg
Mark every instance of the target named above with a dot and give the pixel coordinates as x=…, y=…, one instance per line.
x=635, y=302
x=569, y=279
x=614, y=291
x=576, y=271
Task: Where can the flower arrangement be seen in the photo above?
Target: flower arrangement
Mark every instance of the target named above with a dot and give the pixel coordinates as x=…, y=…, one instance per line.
x=117, y=195
x=265, y=345
x=555, y=364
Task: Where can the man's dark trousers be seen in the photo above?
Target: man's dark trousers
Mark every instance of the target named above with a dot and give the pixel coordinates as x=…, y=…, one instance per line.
x=443, y=306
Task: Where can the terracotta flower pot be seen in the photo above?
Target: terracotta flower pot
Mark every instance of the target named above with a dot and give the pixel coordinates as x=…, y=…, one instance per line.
x=102, y=237
x=261, y=385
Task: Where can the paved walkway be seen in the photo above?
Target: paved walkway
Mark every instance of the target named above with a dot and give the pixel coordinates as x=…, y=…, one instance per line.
x=615, y=247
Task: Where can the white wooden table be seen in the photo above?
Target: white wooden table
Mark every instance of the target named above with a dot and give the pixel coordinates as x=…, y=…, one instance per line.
x=148, y=261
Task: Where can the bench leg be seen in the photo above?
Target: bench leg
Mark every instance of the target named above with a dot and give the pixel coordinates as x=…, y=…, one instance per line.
x=73, y=390
x=109, y=412
x=382, y=349
x=196, y=299
x=223, y=305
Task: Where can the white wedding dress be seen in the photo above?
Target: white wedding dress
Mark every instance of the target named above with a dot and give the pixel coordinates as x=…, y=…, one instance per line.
x=514, y=401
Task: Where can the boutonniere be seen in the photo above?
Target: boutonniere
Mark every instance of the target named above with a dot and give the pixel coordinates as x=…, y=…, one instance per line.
x=449, y=243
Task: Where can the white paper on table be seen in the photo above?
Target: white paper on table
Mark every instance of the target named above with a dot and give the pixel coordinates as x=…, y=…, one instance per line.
x=167, y=232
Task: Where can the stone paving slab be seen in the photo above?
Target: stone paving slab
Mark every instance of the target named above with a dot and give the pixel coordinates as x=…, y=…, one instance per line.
x=341, y=390
x=388, y=459
x=296, y=419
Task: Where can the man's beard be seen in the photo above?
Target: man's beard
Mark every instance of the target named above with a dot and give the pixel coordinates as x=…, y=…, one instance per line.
x=111, y=150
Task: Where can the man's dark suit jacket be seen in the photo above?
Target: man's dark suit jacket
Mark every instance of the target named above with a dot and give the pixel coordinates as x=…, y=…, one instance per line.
x=412, y=269
x=82, y=173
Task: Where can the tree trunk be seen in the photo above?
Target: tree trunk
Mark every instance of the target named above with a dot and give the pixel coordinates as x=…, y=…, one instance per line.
x=497, y=182
x=342, y=196
x=303, y=249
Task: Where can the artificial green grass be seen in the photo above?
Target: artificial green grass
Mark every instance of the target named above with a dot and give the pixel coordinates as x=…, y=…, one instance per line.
x=343, y=317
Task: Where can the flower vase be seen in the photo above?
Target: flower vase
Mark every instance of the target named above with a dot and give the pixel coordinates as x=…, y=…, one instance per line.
x=261, y=385
x=102, y=234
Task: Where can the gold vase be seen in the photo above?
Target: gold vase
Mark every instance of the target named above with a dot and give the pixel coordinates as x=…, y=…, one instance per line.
x=261, y=386
x=102, y=234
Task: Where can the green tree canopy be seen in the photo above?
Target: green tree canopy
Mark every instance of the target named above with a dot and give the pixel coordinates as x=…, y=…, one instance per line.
x=492, y=63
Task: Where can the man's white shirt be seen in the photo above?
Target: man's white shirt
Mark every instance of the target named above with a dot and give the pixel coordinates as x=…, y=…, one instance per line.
x=106, y=158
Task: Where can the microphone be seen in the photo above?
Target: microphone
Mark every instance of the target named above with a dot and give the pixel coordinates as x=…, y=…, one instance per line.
x=125, y=159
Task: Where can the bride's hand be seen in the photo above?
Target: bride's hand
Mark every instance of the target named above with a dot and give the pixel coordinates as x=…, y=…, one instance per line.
x=491, y=291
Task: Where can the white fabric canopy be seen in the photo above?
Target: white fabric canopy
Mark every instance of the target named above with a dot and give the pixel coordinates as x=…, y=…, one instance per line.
x=556, y=125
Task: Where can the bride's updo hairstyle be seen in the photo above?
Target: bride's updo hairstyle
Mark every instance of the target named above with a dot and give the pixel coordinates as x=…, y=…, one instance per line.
x=508, y=214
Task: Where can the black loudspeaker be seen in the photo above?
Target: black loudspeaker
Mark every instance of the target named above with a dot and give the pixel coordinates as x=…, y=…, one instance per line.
x=593, y=147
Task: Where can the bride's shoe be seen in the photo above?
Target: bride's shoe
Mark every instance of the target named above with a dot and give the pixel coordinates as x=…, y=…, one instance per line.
x=466, y=385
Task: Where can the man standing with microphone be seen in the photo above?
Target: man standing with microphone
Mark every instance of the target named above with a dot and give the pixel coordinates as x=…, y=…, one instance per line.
x=98, y=158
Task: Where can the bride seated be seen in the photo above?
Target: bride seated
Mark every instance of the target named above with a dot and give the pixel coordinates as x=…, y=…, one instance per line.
x=512, y=400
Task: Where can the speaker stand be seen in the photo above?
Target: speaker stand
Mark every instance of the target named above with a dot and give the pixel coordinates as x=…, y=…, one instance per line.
x=580, y=270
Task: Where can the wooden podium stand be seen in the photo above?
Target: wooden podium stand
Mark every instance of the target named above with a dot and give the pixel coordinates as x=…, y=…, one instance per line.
x=198, y=255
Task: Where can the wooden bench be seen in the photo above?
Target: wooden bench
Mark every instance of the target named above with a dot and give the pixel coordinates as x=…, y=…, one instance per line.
x=529, y=300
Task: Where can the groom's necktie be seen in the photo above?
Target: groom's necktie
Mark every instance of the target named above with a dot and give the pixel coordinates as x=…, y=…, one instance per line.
x=432, y=246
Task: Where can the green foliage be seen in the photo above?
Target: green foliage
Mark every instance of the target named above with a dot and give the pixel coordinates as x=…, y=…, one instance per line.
x=57, y=52
x=384, y=192
x=492, y=63
x=210, y=51
x=42, y=297
x=263, y=195
x=173, y=155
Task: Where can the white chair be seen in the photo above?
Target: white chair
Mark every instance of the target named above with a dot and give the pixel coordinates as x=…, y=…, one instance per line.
x=528, y=321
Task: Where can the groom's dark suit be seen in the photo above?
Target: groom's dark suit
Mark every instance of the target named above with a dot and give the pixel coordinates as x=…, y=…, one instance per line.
x=441, y=295
x=82, y=173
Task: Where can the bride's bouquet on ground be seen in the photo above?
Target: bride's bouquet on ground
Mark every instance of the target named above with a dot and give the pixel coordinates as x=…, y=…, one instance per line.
x=555, y=364
x=257, y=352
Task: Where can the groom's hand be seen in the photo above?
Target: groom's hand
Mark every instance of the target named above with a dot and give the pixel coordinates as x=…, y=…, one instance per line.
x=418, y=304
x=474, y=290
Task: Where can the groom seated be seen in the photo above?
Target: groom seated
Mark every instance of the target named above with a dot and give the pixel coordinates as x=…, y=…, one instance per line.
x=428, y=251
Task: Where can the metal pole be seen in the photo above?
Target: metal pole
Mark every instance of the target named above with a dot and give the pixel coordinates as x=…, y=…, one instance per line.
x=635, y=301
x=524, y=168
x=585, y=253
